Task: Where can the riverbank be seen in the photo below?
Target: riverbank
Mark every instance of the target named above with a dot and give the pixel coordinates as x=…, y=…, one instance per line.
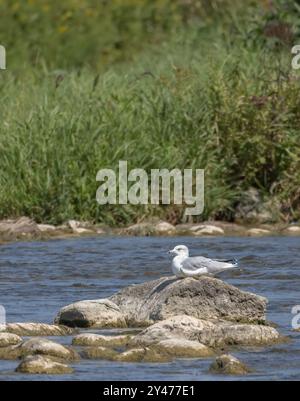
x=27, y=229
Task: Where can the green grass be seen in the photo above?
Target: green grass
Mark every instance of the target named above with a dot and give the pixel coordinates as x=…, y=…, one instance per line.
x=211, y=93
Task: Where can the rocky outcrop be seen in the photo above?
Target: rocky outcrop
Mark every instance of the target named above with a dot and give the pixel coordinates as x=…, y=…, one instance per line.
x=183, y=318
x=96, y=313
x=93, y=340
x=212, y=334
x=206, y=298
x=38, y=329
x=43, y=365
x=229, y=365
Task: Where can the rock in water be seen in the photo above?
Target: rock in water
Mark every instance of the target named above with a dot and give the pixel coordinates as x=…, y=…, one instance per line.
x=229, y=365
x=42, y=365
x=212, y=334
x=7, y=339
x=142, y=355
x=187, y=318
x=144, y=304
x=206, y=298
x=181, y=348
x=98, y=353
x=9, y=349
x=96, y=340
x=98, y=314
x=42, y=346
x=38, y=329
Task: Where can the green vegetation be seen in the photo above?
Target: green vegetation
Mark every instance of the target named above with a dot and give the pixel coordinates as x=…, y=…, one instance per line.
x=162, y=84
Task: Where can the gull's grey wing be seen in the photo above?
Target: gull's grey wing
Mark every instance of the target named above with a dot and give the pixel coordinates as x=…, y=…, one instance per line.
x=199, y=262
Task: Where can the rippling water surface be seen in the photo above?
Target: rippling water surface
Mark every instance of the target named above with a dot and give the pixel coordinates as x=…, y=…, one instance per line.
x=37, y=279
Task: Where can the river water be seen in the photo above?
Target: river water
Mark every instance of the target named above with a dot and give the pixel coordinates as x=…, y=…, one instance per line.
x=38, y=278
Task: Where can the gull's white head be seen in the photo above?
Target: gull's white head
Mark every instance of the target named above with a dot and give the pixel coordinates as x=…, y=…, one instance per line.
x=181, y=250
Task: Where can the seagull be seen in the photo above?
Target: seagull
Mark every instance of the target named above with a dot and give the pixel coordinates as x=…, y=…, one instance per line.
x=185, y=266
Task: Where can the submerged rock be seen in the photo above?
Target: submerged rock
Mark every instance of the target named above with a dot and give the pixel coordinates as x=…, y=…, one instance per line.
x=204, y=298
x=229, y=365
x=42, y=346
x=142, y=354
x=96, y=313
x=182, y=348
x=99, y=353
x=92, y=340
x=212, y=334
x=42, y=365
x=7, y=339
x=38, y=329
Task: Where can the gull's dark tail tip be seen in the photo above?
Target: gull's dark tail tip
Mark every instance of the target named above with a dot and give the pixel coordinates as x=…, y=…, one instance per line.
x=234, y=262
